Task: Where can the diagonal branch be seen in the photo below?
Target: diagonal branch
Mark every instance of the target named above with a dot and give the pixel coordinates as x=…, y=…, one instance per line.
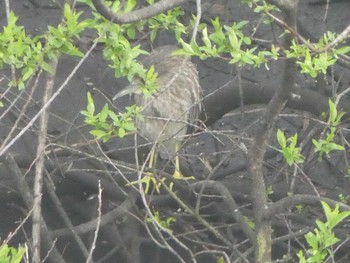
x=27, y=197
x=137, y=15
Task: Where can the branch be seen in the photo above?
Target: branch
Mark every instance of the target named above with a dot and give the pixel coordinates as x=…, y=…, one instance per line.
x=27, y=197
x=39, y=167
x=109, y=217
x=291, y=201
x=99, y=213
x=228, y=199
x=65, y=218
x=257, y=151
x=137, y=15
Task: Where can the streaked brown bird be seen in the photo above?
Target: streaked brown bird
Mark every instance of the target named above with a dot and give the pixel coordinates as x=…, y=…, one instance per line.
x=173, y=110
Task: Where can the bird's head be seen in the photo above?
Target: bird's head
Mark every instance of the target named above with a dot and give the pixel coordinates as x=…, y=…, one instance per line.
x=128, y=90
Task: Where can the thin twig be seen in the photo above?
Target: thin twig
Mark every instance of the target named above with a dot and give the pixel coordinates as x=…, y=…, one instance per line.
x=198, y=19
x=98, y=225
x=58, y=205
x=7, y=8
x=12, y=234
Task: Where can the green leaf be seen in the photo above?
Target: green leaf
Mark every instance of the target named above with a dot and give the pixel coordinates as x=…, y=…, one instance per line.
x=186, y=47
x=281, y=138
x=99, y=133
x=104, y=113
x=113, y=116
x=153, y=35
x=90, y=106
x=312, y=240
x=67, y=11
x=332, y=111
x=47, y=67
x=327, y=210
x=11, y=254
x=129, y=126
x=131, y=32
x=27, y=73
x=301, y=257
x=343, y=50
x=121, y=132
x=130, y=4
x=205, y=37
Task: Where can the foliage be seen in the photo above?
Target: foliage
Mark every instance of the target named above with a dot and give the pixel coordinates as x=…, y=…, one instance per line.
x=149, y=179
x=10, y=254
x=168, y=21
x=327, y=145
x=321, y=241
x=316, y=58
x=20, y=51
x=227, y=40
x=165, y=223
x=106, y=121
x=290, y=152
x=27, y=54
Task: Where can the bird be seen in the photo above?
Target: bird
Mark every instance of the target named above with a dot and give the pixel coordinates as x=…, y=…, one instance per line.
x=173, y=110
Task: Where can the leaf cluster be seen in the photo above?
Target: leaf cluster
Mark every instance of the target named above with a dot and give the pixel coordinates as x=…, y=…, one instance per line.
x=290, y=152
x=227, y=40
x=165, y=223
x=27, y=54
x=122, y=56
x=20, y=51
x=106, y=123
x=10, y=254
x=314, y=59
x=327, y=145
x=168, y=21
x=323, y=238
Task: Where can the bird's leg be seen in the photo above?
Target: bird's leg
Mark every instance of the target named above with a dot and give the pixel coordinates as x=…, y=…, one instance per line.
x=177, y=173
x=149, y=177
x=151, y=158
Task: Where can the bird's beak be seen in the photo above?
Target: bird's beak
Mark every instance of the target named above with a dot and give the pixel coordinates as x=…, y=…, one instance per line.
x=131, y=89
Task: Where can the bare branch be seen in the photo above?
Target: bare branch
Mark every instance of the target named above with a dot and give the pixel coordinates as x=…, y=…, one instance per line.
x=27, y=197
x=258, y=148
x=137, y=15
x=39, y=167
x=291, y=201
x=98, y=225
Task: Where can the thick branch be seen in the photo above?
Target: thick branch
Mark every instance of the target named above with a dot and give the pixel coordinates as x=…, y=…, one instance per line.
x=258, y=149
x=291, y=201
x=137, y=15
x=227, y=99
